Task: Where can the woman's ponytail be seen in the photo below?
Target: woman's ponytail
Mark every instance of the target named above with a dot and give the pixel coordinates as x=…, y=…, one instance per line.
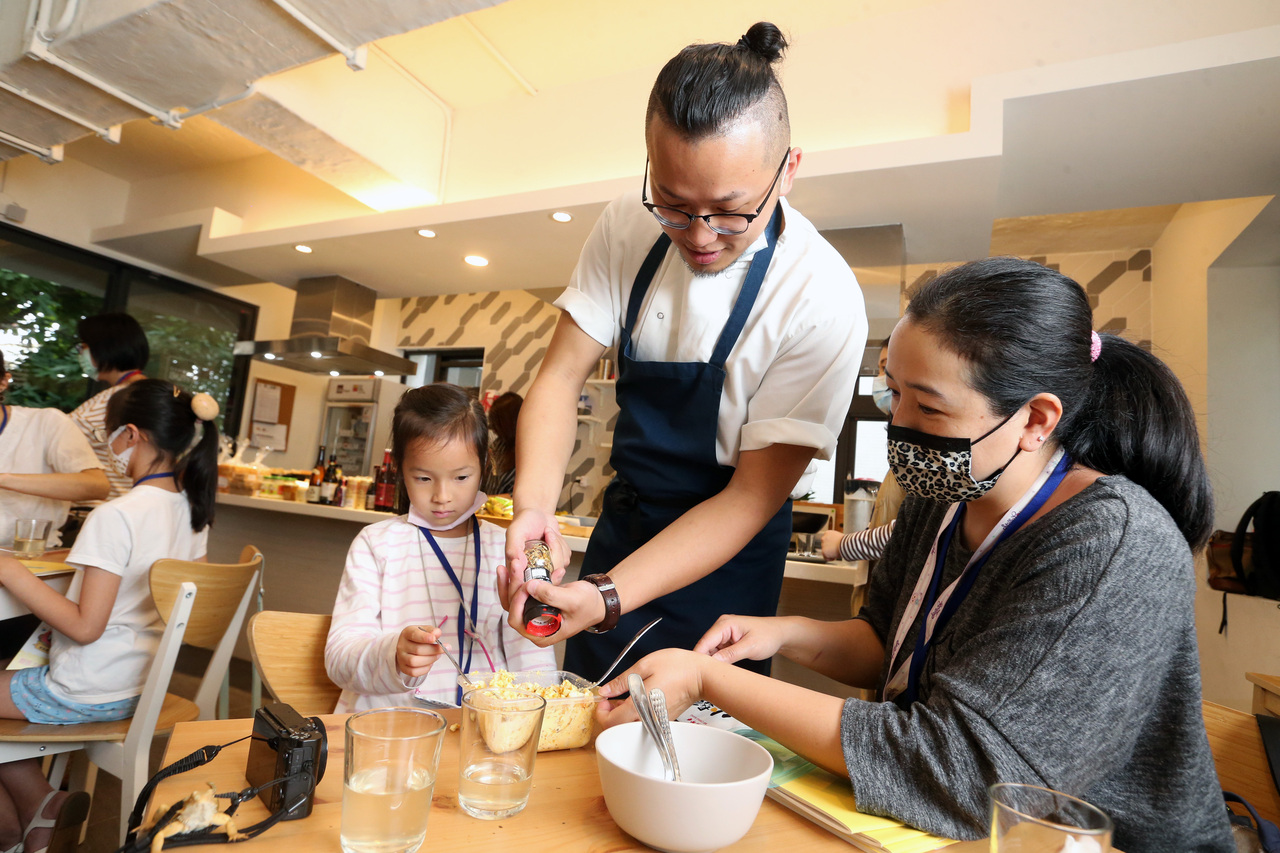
x=197, y=472
x=1025, y=329
x=1136, y=420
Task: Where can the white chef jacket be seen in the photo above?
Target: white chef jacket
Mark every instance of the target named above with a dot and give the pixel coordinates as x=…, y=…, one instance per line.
x=791, y=375
x=39, y=441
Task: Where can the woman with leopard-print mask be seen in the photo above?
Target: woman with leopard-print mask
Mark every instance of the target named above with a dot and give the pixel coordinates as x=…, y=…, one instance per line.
x=1031, y=620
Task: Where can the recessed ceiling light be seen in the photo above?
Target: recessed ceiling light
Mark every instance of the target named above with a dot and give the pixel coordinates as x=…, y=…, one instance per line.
x=378, y=373
x=315, y=354
x=426, y=232
x=476, y=261
x=333, y=373
x=269, y=356
x=561, y=216
x=306, y=250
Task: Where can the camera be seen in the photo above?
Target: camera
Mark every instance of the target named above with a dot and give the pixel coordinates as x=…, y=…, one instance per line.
x=290, y=750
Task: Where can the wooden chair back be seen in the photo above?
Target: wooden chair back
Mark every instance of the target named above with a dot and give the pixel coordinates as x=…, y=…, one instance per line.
x=1240, y=759
x=288, y=650
x=221, y=585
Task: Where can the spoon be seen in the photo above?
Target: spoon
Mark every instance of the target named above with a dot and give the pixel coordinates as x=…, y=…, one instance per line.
x=593, y=685
x=445, y=649
x=641, y=700
x=658, y=702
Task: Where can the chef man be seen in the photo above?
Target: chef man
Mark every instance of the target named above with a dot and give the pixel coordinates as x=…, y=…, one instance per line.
x=738, y=331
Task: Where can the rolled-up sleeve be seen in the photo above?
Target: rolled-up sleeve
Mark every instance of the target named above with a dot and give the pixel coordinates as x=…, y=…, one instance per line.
x=592, y=296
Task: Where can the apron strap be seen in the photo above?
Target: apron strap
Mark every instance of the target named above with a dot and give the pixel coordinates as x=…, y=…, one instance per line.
x=747, y=296
x=643, y=278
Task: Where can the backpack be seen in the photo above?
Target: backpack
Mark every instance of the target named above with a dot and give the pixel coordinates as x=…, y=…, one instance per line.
x=1261, y=573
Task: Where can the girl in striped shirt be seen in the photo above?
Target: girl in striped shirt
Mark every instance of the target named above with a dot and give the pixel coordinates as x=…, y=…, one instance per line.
x=424, y=579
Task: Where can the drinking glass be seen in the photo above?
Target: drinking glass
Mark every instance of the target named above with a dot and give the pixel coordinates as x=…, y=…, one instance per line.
x=29, y=538
x=388, y=774
x=499, y=743
x=1031, y=819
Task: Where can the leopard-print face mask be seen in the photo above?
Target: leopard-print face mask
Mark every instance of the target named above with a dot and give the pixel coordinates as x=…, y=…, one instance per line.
x=938, y=467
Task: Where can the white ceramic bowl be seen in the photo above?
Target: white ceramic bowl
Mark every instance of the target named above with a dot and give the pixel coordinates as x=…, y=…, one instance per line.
x=724, y=779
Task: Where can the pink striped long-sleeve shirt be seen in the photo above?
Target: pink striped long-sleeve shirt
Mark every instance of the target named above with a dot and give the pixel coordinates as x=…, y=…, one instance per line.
x=392, y=580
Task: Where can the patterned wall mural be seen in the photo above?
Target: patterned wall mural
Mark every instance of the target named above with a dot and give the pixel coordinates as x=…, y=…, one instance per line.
x=1118, y=284
x=513, y=328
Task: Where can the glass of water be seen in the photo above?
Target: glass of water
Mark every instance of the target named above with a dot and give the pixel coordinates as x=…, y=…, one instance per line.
x=389, y=772
x=29, y=538
x=1031, y=819
x=499, y=743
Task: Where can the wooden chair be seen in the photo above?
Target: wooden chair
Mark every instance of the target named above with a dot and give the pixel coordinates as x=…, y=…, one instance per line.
x=1240, y=759
x=121, y=748
x=288, y=651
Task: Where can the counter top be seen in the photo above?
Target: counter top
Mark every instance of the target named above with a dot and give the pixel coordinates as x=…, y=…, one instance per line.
x=853, y=574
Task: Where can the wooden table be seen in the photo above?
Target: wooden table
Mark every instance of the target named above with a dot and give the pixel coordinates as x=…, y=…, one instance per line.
x=566, y=810
x=1266, y=693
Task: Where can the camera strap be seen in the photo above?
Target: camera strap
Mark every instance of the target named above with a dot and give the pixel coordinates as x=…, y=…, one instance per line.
x=136, y=843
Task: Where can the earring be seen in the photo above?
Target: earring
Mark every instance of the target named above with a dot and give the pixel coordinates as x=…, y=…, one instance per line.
x=1040, y=438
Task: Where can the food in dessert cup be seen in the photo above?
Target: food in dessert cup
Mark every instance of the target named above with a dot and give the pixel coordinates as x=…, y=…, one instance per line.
x=567, y=723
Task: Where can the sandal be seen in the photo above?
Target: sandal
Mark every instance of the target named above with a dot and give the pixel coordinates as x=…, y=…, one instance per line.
x=66, y=825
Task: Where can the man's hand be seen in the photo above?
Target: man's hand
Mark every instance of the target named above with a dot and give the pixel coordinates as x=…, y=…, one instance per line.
x=526, y=525
x=417, y=649
x=580, y=605
x=677, y=671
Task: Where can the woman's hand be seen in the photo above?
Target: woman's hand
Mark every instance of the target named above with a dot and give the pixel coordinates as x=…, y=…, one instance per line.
x=677, y=671
x=831, y=545
x=417, y=649
x=735, y=638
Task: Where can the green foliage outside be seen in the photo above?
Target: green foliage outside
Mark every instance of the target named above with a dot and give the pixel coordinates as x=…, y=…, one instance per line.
x=44, y=317
x=190, y=353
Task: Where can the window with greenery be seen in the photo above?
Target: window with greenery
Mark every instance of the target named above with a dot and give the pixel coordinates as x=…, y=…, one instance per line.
x=47, y=287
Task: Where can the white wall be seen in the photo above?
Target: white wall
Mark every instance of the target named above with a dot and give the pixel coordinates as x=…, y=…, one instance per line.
x=1244, y=461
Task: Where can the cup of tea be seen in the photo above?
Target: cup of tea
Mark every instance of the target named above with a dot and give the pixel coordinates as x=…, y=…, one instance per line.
x=388, y=775
x=499, y=743
x=30, y=535
x=1027, y=818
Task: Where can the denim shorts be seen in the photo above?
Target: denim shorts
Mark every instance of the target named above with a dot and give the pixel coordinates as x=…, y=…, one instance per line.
x=31, y=694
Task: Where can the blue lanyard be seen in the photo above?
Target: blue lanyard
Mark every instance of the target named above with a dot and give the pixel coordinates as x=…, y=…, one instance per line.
x=971, y=572
x=6, y=418
x=125, y=378
x=462, y=599
x=153, y=477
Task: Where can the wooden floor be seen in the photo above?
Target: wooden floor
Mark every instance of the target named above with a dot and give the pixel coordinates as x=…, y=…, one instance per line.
x=104, y=815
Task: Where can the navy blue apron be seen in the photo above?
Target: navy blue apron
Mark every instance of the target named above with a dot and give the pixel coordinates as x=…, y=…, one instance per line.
x=664, y=453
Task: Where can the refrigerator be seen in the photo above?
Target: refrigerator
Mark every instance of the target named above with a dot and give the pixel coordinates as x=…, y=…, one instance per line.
x=356, y=426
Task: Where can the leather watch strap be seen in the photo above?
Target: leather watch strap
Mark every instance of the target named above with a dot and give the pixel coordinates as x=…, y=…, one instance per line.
x=612, y=604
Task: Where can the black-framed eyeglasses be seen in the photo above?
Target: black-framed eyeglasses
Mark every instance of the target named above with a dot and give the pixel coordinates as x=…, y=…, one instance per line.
x=721, y=223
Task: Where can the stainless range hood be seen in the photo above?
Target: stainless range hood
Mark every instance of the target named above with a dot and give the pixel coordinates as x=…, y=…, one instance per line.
x=332, y=322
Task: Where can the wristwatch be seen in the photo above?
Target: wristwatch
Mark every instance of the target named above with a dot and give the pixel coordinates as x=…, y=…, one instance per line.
x=612, y=604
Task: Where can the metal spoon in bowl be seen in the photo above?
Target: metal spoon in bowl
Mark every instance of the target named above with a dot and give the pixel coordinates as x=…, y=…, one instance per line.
x=658, y=703
x=640, y=699
x=593, y=685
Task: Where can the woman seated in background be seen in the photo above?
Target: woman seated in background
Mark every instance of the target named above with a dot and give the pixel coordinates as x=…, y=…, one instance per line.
x=1056, y=491
x=502, y=448
x=113, y=349
x=46, y=465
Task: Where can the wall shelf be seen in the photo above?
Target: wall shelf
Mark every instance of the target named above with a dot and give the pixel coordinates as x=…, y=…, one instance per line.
x=602, y=381
x=589, y=419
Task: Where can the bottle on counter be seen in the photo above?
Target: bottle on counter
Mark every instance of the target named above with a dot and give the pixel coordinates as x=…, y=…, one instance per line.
x=385, y=488
x=339, y=491
x=371, y=496
x=317, y=477
x=330, y=481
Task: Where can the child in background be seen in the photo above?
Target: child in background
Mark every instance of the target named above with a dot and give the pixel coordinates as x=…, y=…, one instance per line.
x=416, y=581
x=164, y=441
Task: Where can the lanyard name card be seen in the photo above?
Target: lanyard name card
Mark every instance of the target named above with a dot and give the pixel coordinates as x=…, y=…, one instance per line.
x=463, y=621
x=940, y=608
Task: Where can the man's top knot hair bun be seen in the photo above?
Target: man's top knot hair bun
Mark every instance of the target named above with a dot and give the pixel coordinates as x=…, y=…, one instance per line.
x=765, y=40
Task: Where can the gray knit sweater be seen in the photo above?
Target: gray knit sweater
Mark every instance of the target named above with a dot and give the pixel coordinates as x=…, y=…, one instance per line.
x=1071, y=664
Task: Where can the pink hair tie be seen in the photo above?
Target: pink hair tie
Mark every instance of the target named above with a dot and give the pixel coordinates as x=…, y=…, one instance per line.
x=1095, y=346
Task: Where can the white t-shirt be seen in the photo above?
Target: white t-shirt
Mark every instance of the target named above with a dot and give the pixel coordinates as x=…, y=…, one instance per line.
x=39, y=441
x=89, y=415
x=124, y=537
x=791, y=375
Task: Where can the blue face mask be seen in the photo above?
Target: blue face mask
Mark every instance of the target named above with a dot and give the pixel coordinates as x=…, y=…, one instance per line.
x=881, y=394
x=86, y=362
